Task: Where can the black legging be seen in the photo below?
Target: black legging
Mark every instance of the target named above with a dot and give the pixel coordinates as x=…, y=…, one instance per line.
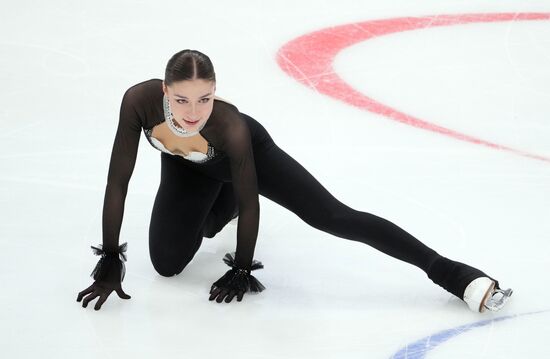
x=191, y=203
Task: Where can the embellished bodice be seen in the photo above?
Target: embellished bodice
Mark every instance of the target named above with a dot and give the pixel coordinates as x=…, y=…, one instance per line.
x=193, y=156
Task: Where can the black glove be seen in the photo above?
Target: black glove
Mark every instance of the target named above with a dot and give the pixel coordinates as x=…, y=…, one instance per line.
x=236, y=281
x=108, y=274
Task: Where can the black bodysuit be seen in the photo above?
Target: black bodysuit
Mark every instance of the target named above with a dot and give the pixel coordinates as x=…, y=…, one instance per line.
x=198, y=196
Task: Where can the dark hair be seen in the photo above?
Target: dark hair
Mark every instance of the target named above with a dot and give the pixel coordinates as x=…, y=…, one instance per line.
x=189, y=65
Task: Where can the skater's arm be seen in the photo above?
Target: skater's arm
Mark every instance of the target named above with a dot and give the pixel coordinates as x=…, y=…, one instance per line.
x=121, y=166
x=109, y=271
x=243, y=172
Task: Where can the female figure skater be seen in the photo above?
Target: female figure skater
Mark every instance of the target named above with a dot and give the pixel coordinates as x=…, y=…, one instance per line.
x=215, y=161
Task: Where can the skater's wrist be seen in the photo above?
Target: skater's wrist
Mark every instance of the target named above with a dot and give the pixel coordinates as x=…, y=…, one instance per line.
x=110, y=267
x=239, y=278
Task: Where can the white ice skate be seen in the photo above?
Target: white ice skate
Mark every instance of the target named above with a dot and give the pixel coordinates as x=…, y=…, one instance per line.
x=235, y=220
x=481, y=294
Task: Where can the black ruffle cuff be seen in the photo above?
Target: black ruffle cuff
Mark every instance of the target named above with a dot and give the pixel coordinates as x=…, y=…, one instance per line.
x=110, y=262
x=239, y=279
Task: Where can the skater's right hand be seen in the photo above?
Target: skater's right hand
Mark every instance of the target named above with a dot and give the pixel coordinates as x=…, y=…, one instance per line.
x=108, y=275
x=101, y=289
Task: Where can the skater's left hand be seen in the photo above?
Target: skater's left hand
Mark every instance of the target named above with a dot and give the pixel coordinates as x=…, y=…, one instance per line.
x=236, y=281
x=219, y=294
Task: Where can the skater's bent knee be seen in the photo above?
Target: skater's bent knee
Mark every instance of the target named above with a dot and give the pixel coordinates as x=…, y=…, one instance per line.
x=169, y=269
x=167, y=273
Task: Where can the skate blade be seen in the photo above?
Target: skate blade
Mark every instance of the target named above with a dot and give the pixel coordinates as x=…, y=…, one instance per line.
x=498, y=299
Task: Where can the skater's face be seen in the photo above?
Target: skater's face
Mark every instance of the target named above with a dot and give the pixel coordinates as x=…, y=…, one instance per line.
x=191, y=102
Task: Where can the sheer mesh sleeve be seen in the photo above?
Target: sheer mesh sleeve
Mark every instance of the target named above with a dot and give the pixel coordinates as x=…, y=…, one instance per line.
x=237, y=144
x=121, y=166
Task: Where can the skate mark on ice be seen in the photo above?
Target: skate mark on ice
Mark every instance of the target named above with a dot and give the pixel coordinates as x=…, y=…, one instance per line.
x=419, y=348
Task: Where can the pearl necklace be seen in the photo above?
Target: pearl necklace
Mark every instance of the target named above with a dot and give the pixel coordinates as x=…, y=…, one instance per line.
x=176, y=129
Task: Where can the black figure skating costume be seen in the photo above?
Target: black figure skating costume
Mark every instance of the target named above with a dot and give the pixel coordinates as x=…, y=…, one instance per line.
x=199, y=194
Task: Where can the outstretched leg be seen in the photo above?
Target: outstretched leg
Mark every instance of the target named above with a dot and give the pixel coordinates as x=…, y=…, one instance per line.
x=284, y=181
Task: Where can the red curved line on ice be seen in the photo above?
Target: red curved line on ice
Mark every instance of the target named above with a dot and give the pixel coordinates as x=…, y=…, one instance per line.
x=309, y=59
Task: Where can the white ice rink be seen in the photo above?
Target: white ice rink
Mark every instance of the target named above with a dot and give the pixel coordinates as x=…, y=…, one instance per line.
x=64, y=68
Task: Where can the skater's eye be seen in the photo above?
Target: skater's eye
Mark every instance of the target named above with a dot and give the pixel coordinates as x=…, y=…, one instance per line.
x=202, y=100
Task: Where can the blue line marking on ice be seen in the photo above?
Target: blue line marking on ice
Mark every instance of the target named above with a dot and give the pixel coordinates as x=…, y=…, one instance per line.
x=419, y=348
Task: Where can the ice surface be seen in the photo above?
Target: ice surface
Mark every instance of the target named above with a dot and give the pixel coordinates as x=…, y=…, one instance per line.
x=64, y=68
